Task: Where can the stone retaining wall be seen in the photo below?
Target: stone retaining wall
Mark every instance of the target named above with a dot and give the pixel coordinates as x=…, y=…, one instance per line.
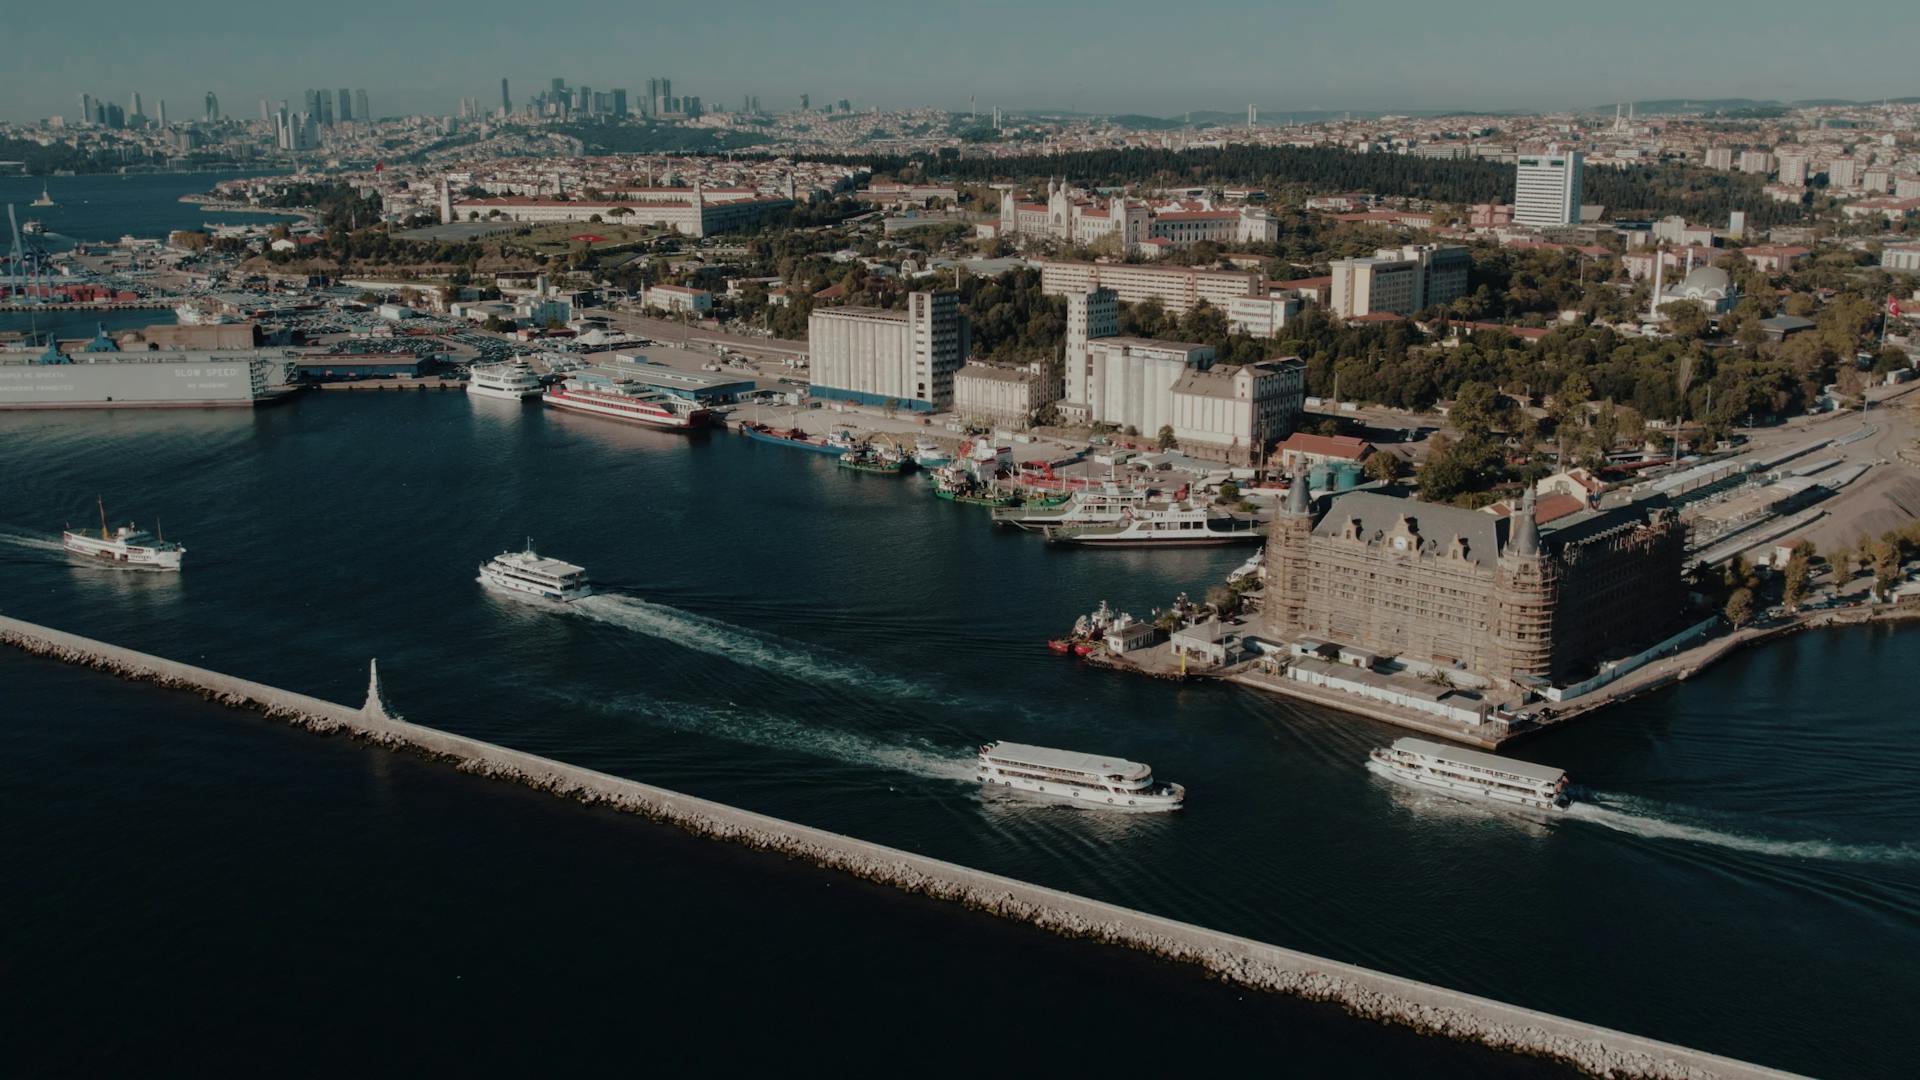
x=1370, y=994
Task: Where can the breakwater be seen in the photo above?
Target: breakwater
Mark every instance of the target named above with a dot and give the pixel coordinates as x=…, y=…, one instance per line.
x=1240, y=960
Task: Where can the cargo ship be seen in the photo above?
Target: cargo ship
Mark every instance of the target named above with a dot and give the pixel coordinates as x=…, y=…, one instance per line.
x=793, y=437
x=113, y=380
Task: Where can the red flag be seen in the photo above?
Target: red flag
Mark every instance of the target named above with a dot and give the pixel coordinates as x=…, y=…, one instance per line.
x=379, y=166
x=1893, y=306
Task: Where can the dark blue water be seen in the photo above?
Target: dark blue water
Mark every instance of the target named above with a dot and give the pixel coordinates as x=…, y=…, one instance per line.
x=199, y=891
x=109, y=206
x=827, y=646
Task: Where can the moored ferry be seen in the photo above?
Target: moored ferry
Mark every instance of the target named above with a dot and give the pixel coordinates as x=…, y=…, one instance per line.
x=1471, y=774
x=1161, y=525
x=514, y=380
x=1088, y=506
x=1082, y=779
x=127, y=545
x=601, y=396
x=524, y=573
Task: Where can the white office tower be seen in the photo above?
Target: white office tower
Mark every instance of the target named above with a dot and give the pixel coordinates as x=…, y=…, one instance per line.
x=1090, y=315
x=1546, y=190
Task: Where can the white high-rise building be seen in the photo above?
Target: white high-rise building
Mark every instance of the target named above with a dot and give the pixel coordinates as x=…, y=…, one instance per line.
x=1090, y=315
x=1546, y=190
x=906, y=359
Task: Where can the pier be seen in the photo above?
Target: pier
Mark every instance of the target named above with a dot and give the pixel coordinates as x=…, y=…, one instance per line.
x=1241, y=961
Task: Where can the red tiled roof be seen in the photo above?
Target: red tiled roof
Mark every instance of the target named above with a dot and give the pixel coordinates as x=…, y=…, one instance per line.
x=1342, y=446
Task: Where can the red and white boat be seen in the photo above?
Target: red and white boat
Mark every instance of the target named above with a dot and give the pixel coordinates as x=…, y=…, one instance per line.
x=601, y=396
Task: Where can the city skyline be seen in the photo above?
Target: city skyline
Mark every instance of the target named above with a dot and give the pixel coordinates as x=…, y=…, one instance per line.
x=1496, y=57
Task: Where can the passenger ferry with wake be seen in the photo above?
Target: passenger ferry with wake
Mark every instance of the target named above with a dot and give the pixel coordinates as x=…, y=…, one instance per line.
x=514, y=380
x=601, y=396
x=524, y=573
x=1471, y=774
x=127, y=545
x=1082, y=779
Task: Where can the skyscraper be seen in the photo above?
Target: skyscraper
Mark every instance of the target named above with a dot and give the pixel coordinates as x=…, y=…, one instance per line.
x=346, y=104
x=135, y=110
x=266, y=112
x=326, y=108
x=559, y=87
x=619, y=103
x=86, y=108
x=213, y=108
x=161, y=116
x=506, y=99
x=360, y=111
x=1546, y=190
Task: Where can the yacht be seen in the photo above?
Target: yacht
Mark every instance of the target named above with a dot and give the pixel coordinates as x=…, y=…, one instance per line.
x=1471, y=774
x=602, y=396
x=1161, y=525
x=514, y=380
x=1089, y=506
x=527, y=574
x=1082, y=779
x=127, y=545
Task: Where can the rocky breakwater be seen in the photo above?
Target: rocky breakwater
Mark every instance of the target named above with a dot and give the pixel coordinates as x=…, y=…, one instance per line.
x=1371, y=994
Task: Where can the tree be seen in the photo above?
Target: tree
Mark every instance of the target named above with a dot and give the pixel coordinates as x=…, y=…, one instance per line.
x=1686, y=319
x=1384, y=467
x=1167, y=439
x=1224, y=600
x=1794, y=577
x=1739, y=609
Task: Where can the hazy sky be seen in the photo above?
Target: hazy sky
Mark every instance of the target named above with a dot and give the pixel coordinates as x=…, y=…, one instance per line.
x=1160, y=57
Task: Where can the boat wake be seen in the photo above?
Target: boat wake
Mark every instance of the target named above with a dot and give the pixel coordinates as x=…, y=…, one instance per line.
x=750, y=647
x=1655, y=821
x=31, y=543
x=753, y=727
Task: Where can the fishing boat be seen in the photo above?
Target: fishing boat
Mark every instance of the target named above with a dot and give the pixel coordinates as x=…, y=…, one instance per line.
x=866, y=461
x=1162, y=525
x=968, y=492
x=793, y=437
x=1090, y=780
x=127, y=545
x=928, y=455
x=1089, y=506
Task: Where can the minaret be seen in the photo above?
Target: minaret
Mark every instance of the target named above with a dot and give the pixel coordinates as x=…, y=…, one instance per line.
x=1525, y=594
x=1284, y=611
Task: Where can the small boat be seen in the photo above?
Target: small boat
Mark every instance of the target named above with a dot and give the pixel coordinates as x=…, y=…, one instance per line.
x=127, y=545
x=1060, y=645
x=44, y=199
x=1085, y=648
x=33, y=227
x=1089, y=780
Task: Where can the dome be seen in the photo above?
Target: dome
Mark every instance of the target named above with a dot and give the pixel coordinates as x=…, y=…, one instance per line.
x=1706, y=282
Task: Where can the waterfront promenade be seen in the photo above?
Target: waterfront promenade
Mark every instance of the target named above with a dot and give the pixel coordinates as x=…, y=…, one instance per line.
x=1243, y=961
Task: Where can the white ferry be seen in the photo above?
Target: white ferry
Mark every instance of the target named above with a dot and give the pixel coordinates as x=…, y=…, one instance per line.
x=1084, y=779
x=1161, y=525
x=601, y=396
x=527, y=574
x=127, y=545
x=514, y=380
x=1471, y=774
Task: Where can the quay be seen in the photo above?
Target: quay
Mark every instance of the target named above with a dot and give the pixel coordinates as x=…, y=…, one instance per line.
x=1363, y=992
x=395, y=383
x=92, y=305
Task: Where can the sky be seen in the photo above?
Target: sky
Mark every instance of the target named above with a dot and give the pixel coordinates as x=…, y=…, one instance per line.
x=1120, y=56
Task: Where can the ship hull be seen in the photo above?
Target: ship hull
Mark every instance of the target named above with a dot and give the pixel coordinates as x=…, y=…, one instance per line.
x=1119, y=802
x=796, y=444
x=477, y=390
x=1251, y=536
x=134, y=383
x=520, y=590
x=594, y=408
x=103, y=552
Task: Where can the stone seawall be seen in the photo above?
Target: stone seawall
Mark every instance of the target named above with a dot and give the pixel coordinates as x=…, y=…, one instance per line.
x=1370, y=994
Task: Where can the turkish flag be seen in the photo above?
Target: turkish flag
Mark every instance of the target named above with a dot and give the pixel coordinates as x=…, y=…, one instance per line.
x=1893, y=306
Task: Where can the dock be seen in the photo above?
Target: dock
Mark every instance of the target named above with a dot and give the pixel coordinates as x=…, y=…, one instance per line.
x=1375, y=995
